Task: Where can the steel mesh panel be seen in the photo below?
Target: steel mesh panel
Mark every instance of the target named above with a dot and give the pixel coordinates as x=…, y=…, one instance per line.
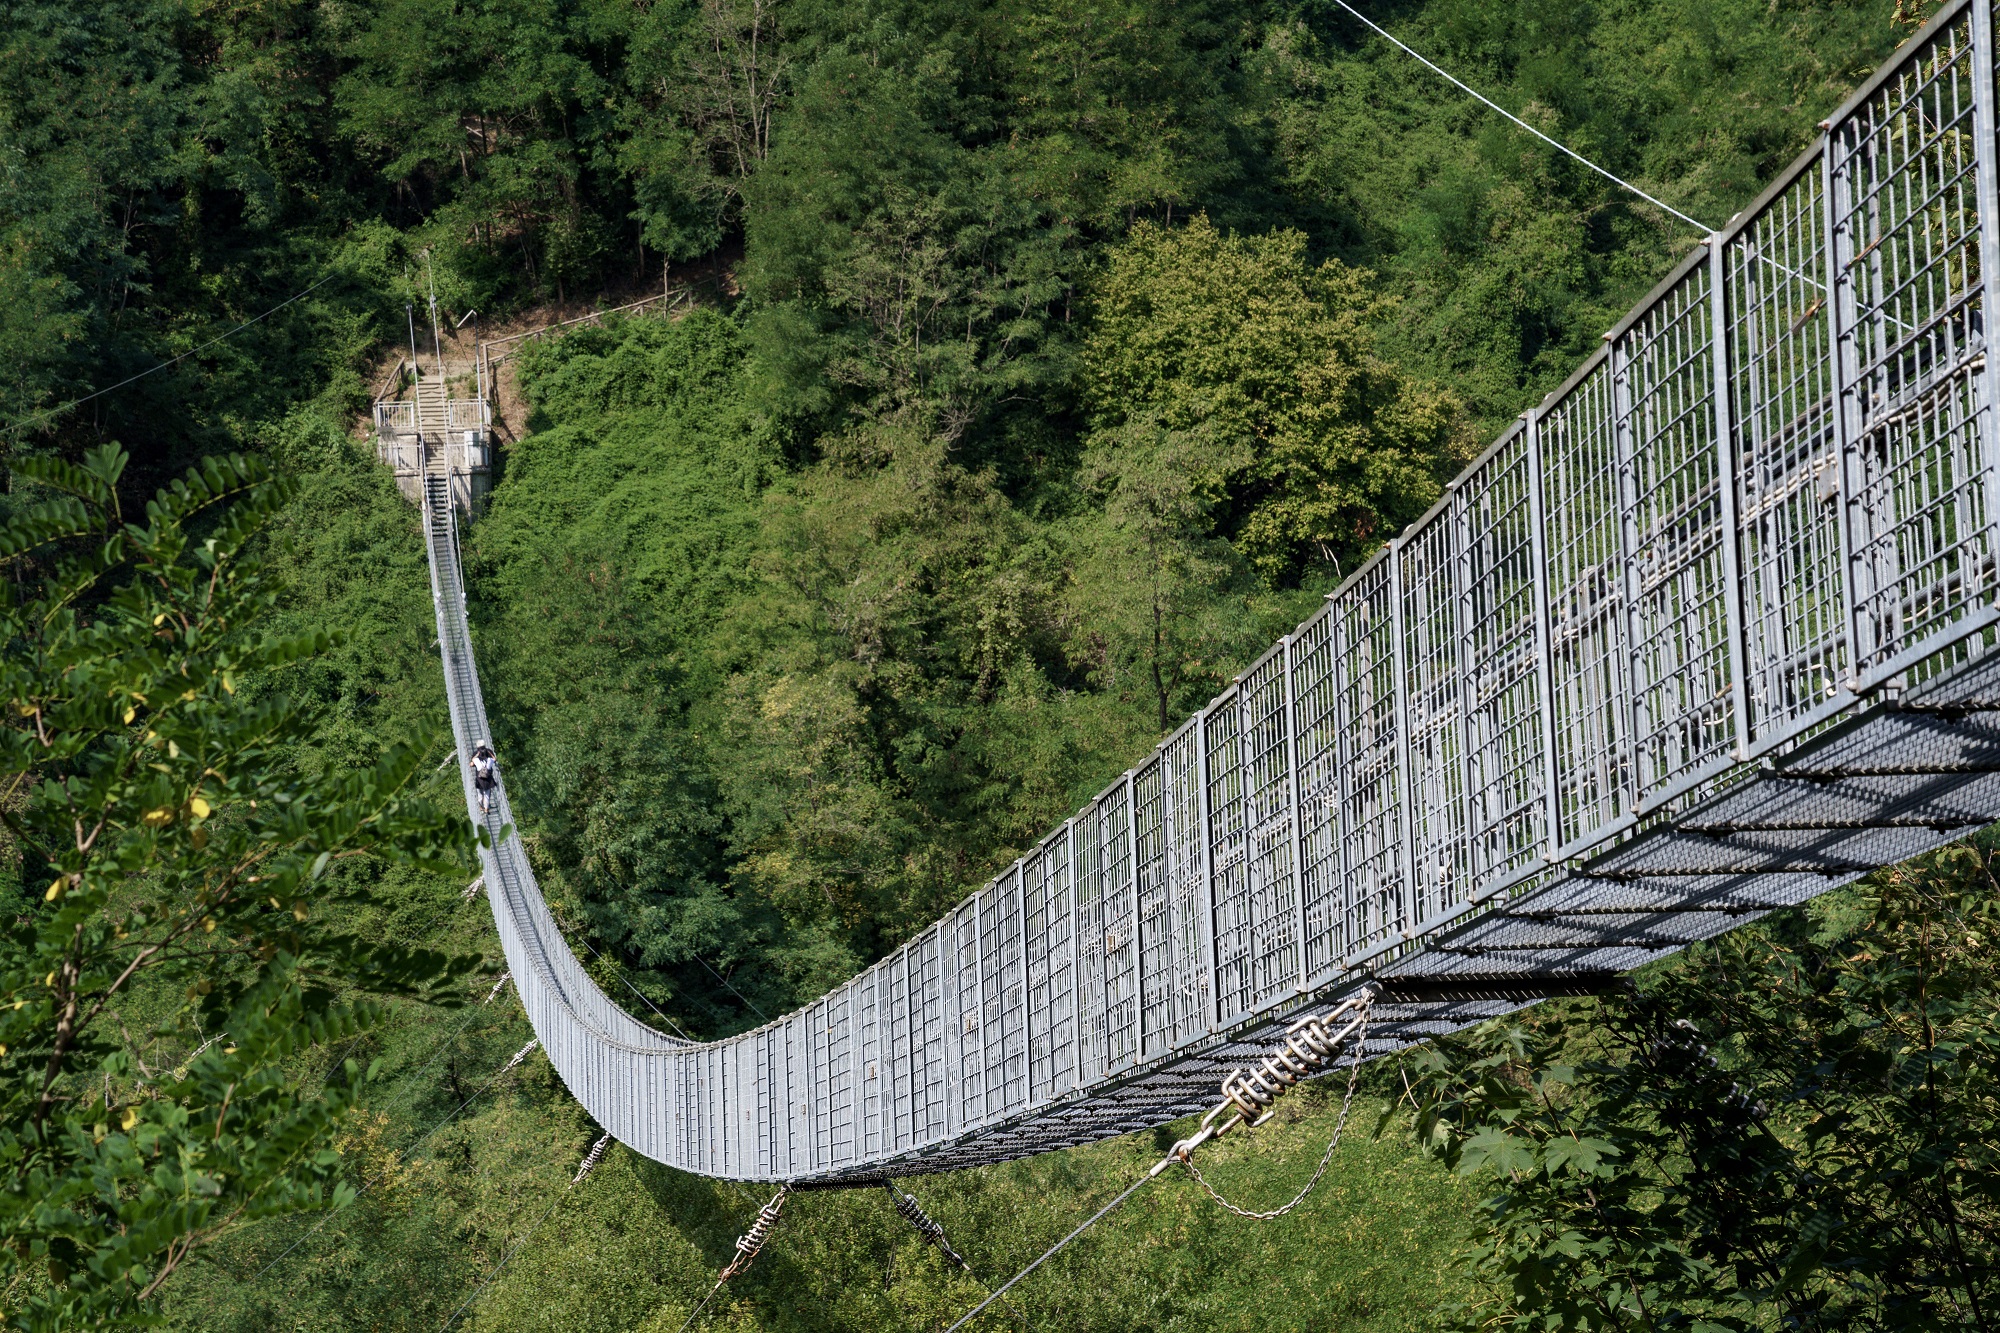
x=968, y=976
x=1682, y=721
x=1051, y=969
x=1431, y=638
x=1316, y=725
x=1188, y=889
x=1121, y=952
x=1156, y=960
x=1908, y=319
x=1087, y=858
x=841, y=1100
x=1007, y=1038
x=1506, y=777
x=932, y=1089
x=1259, y=924
x=1788, y=460
x=1375, y=903
x=1588, y=630
x=1229, y=855
x=869, y=1027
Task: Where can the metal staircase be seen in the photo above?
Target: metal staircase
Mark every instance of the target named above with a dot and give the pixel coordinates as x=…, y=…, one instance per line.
x=1709, y=631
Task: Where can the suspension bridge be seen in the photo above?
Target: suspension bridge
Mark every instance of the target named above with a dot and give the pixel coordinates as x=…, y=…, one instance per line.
x=1709, y=631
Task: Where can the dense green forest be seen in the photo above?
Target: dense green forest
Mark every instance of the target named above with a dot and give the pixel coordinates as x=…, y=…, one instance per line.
x=1043, y=361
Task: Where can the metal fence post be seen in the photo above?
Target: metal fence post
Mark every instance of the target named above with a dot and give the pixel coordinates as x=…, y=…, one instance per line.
x=1132, y=895
x=1027, y=991
x=1205, y=905
x=1628, y=542
x=1987, y=188
x=1838, y=323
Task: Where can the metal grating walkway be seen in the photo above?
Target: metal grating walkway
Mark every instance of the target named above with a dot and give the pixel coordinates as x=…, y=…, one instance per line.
x=1708, y=632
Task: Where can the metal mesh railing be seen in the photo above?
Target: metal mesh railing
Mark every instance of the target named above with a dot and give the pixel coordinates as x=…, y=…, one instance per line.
x=1627, y=684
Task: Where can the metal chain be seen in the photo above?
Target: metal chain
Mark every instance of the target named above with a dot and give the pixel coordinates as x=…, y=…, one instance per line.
x=1346, y=1105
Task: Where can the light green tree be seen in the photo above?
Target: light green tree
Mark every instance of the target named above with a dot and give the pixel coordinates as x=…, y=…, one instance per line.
x=1312, y=449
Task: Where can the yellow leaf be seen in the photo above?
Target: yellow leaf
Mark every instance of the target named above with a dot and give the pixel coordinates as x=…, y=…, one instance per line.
x=159, y=620
x=159, y=818
x=55, y=892
x=173, y=750
x=199, y=807
x=130, y=713
x=208, y=924
x=129, y=1119
x=275, y=904
x=3, y=1048
x=50, y=979
x=299, y=910
x=227, y=683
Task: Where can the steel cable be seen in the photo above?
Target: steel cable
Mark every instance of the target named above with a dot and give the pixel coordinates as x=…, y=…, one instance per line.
x=1339, y=1125
x=420, y=1142
x=46, y=413
x=1250, y=1094
x=590, y=1161
x=1560, y=147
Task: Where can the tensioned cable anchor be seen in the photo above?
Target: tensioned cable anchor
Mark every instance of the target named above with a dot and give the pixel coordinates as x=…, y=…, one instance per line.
x=1311, y=1046
x=498, y=986
x=748, y=1246
x=1308, y=1048
x=912, y=1212
x=591, y=1159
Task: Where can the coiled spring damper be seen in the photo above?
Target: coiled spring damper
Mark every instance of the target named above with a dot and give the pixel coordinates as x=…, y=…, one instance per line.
x=1308, y=1048
x=1311, y=1045
x=909, y=1210
x=750, y=1242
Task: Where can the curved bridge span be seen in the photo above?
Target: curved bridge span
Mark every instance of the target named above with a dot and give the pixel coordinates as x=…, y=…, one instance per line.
x=1708, y=632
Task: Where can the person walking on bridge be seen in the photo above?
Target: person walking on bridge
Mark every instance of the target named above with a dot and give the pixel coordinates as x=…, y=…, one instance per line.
x=485, y=776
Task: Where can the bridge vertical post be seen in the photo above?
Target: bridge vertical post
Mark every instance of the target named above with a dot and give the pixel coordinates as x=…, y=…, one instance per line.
x=1132, y=925
x=1545, y=673
x=1987, y=192
x=1075, y=910
x=1027, y=1001
x=1726, y=482
x=949, y=1022
x=1839, y=321
x=1296, y=853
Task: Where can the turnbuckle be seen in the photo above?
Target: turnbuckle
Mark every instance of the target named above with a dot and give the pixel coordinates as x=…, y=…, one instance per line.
x=752, y=1241
x=1249, y=1096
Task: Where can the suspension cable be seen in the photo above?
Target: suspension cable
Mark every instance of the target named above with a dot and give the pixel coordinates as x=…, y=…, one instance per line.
x=912, y=1212
x=1468, y=89
x=46, y=413
x=590, y=1161
x=426, y=1137
x=1309, y=1047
